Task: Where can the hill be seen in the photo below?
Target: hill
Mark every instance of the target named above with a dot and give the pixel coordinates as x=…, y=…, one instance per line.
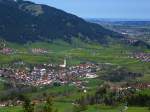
x=23, y=21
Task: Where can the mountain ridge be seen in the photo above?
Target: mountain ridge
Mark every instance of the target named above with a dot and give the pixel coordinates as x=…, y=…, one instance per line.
x=23, y=21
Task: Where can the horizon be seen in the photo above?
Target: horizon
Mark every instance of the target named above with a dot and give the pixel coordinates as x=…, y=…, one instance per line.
x=118, y=19
x=103, y=9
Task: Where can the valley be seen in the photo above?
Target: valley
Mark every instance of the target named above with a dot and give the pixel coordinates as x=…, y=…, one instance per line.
x=54, y=61
x=68, y=84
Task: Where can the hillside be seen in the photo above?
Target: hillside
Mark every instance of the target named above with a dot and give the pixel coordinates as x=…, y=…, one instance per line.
x=23, y=21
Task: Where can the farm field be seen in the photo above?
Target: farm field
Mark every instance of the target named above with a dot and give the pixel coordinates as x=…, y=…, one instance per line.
x=115, y=54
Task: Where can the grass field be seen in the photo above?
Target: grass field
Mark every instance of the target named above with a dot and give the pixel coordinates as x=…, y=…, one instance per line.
x=116, y=54
x=145, y=92
x=11, y=109
x=138, y=109
x=65, y=107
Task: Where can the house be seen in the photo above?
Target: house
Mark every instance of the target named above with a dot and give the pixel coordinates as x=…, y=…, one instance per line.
x=6, y=51
x=38, y=51
x=91, y=75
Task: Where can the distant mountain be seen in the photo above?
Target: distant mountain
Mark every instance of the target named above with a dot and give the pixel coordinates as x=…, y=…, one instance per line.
x=23, y=21
x=138, y=30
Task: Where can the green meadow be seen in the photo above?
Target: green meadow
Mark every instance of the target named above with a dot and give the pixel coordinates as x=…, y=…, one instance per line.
x=66, y=107
x=116, y=54
x=57, y=51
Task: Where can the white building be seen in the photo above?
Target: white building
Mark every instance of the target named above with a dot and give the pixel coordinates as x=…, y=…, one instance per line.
x=64, y=65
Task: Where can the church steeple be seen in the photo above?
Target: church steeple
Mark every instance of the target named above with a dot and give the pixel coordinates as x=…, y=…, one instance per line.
x=64, y=65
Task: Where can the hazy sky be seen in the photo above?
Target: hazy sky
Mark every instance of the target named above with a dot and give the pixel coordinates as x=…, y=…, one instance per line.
x=126, y=9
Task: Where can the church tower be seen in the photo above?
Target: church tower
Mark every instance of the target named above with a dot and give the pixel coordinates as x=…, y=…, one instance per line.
x=64, y=65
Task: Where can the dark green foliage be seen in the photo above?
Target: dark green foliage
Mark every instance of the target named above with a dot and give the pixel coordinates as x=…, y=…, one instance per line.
x=82, y=106
x=15, y=93
x=48, y=107
x=79, y=108
x=101, y=96
x=27, y=106
x=2, y=44
x=120, y=74
x=25, y=21
x=97, y=98
x=138, y=100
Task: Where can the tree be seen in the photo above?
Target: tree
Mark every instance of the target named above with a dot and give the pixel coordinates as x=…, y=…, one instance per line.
x=82, y=104
x=48, y=107
x=80, y=107
x=27, y=106
x=2, y=44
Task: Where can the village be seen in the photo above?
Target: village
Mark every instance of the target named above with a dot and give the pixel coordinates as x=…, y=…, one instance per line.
x=144, y=57
x=9, y=51
x=46, y=74
x=49, y=74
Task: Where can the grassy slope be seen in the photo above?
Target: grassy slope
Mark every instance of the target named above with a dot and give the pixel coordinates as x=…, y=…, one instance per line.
x=116, y=54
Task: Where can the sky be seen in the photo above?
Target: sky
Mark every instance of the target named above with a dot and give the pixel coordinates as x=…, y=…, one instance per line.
x=120, y=9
